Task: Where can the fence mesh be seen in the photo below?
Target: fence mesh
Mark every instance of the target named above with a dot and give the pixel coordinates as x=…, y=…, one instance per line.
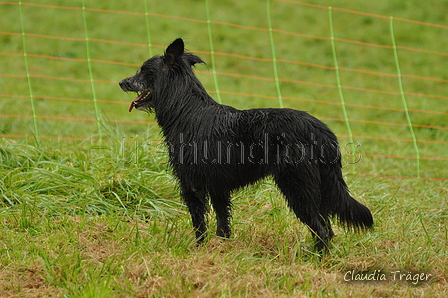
x=378, y=81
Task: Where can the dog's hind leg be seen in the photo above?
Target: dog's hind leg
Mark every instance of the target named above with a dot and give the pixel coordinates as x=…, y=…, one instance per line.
x=222, y=206
x=324, y=214
x=303, y=196
x=197, y=205
x=328, y=227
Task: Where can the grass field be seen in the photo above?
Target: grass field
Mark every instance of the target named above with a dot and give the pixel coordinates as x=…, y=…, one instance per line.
x=89, y=207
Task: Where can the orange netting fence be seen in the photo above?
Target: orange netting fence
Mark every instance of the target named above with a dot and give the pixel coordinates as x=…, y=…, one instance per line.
x=382, y=88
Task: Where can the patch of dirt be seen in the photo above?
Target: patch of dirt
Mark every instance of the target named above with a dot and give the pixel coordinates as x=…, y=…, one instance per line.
x=25, y=282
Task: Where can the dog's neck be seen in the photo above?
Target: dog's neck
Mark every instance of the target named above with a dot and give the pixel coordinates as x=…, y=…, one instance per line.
x=177, y=108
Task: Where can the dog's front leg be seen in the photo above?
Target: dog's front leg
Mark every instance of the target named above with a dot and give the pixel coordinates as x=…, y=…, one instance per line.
x=196, y=203
x=222, y=206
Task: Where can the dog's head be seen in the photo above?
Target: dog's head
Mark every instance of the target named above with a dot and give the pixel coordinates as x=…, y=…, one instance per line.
x=154, y=74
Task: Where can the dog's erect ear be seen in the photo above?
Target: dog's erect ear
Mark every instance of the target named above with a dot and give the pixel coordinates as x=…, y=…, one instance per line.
x=173, y=51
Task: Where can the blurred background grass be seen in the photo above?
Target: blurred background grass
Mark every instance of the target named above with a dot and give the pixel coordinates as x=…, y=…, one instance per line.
x=121, y=37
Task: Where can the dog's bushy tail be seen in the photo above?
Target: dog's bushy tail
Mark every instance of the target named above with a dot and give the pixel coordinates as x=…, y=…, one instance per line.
x=350, y=213
x=353, y=214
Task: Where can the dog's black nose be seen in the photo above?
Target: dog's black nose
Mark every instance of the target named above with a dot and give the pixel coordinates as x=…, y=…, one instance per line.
x=124, y=85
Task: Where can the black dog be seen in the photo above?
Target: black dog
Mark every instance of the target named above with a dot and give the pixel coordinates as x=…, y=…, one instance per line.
x=215, y=149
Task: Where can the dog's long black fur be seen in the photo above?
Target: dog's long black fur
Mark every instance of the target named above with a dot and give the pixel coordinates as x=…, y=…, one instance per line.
x=215, y=149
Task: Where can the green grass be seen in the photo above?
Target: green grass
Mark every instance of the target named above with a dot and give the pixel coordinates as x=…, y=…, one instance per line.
x=91, y=209
x=110, y=224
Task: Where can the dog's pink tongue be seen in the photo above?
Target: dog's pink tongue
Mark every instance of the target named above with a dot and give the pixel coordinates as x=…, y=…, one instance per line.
x=135, y=101
x=132, y=105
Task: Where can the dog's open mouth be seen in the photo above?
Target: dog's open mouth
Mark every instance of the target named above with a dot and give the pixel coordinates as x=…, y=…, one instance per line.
x=141, y=98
